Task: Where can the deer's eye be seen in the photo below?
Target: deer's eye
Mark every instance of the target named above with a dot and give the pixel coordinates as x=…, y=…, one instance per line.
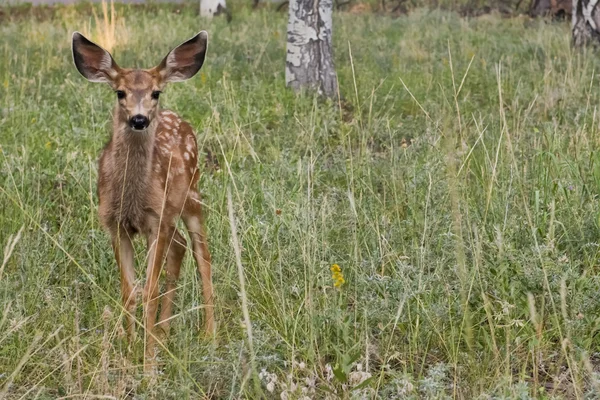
x=156, y=94
x=120, y=94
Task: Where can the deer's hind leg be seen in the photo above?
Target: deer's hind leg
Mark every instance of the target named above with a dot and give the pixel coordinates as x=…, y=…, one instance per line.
x=192, y=217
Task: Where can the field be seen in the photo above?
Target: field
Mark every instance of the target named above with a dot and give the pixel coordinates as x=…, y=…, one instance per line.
x=456, y=187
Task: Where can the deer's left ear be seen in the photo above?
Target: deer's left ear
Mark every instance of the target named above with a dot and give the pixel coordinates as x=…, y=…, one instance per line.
x=185, y=60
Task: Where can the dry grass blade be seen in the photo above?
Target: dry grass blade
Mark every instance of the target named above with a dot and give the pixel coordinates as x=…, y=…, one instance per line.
x=23, y=361
x=110, y=31
x=10, y=247
x=238, y=259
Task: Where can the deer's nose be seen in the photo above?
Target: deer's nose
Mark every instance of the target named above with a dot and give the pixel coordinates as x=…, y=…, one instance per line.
x=139, y=122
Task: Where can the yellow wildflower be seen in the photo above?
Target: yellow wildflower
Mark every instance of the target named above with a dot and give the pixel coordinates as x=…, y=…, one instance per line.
x=337, y=276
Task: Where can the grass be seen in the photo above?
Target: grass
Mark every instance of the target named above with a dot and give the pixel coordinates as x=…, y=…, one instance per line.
x=458, y=194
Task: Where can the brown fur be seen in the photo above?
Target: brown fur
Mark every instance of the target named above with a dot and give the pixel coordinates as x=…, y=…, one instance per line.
x=148, y=179
x=140, y=167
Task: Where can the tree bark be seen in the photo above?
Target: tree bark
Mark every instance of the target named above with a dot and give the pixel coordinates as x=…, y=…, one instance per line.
x=585, y=22
x=309, y=60
x=210, y=8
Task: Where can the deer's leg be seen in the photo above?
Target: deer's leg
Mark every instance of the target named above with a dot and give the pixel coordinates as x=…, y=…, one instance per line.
x=156, y=252
x=124, y=255
x=175, y=253
x=192, y=217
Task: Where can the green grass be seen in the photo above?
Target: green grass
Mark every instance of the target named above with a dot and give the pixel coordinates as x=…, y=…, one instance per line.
x=459, y=196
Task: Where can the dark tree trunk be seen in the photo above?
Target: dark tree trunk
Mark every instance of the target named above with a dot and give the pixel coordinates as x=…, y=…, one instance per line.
x=555, y=8
x=309, y=60
x=585, y=22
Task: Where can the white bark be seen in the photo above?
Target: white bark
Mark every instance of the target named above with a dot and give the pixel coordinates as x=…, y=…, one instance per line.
x=585, y=22
x=309, y=61
x=209, y=8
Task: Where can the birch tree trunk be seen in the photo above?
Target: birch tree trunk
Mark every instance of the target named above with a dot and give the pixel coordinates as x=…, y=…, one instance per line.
x=585, y=22
x=210, y=8
x=309, y=60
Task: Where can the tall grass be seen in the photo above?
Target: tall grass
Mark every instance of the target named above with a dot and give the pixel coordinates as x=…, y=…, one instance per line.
x=109, y=31
x=458, y=197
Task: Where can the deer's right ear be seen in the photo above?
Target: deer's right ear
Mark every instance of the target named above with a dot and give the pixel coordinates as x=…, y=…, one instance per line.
x=185, y=60
x=92, y=61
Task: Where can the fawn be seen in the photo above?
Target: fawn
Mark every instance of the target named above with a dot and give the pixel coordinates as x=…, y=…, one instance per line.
x=148, y=178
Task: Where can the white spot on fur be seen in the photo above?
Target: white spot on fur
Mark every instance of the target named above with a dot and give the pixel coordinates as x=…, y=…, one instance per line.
x=165, y=150
x=175, y=139
x=186, y=155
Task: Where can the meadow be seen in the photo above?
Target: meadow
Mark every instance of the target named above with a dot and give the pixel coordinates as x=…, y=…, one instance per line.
x=454, y=182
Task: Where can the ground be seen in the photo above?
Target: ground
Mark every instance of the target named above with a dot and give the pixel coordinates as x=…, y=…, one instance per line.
x=456, y=188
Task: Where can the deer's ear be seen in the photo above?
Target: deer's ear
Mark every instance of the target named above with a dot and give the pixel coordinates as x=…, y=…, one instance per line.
x=185, y=60
x=92, y=61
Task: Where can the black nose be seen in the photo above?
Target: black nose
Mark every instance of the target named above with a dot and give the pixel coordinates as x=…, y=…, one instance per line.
x=138, y=122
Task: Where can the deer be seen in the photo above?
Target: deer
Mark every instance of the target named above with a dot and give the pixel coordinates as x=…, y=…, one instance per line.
x=147, y=180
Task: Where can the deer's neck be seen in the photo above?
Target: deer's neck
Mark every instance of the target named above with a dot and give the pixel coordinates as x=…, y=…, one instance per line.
x=132, y=153
x=135, y=145
x=133, y=149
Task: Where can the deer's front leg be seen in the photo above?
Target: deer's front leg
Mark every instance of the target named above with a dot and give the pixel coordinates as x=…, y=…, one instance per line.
x=124, y=255
x=175, y=251
x=156, y=253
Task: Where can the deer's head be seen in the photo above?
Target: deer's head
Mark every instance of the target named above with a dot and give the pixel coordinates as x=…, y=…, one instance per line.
x=138, y=90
